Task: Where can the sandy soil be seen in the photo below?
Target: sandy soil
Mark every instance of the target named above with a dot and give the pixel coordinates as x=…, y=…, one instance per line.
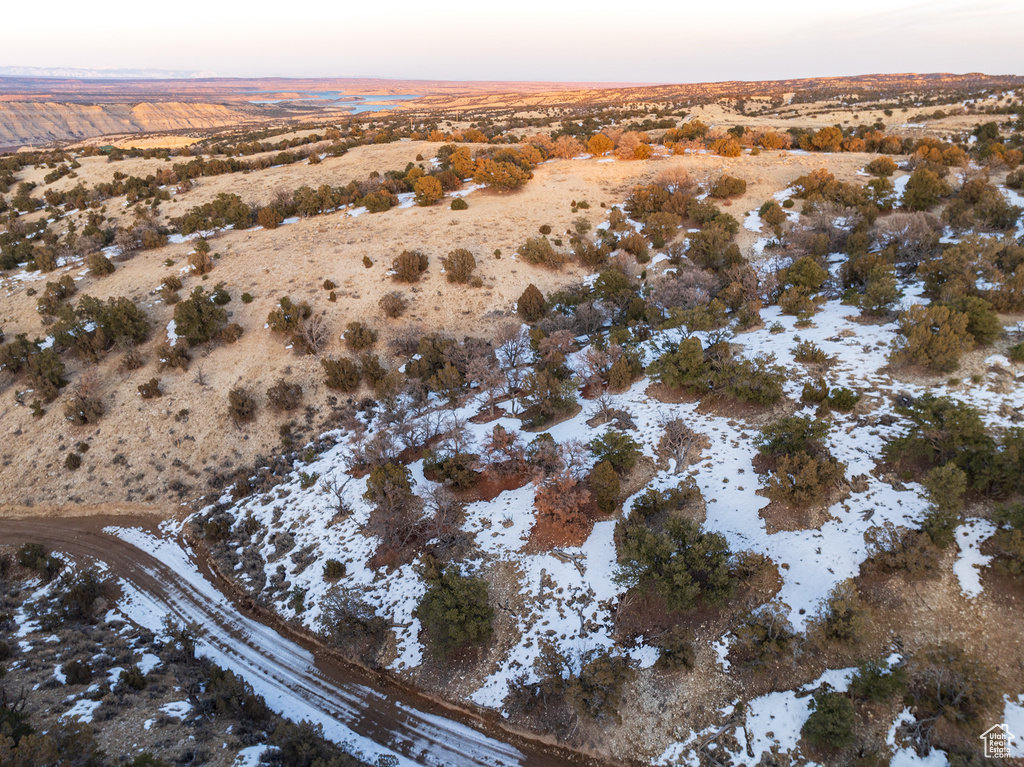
x=166, y=452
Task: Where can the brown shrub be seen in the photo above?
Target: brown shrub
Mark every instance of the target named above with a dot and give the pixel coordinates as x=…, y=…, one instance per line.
x=200, y=263
x=150, y=389
x=393, y=305
x=459, y=265
x=241, y=406
x=531, y=304
x=99, y=265
x=269, y=218
x=409, y=265
x=358, y=336
x=284, y=396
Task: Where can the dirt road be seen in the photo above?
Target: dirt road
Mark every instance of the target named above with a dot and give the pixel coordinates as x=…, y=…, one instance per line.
x=159, y=577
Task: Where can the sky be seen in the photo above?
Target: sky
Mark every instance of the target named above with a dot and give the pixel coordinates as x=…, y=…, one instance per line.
x=597, y=41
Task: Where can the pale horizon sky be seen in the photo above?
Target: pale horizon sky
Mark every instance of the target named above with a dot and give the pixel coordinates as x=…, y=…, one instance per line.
x=598, y=40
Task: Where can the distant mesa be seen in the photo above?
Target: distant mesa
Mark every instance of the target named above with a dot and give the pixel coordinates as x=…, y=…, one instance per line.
x=74, y=73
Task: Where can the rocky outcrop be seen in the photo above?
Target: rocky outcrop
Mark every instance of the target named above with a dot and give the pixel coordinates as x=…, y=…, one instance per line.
x=26, y=123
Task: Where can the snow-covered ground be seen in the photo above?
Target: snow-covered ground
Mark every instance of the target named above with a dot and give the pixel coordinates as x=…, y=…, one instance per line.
x=573, y=605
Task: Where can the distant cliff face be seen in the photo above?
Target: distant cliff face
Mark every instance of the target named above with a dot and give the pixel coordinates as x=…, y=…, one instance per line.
x=30, y=123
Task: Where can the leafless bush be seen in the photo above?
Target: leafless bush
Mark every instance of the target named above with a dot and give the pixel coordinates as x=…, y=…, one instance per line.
x=681, y=443
x=315, y=334
x=589, y=319
x=833, y=220
x=676, y=180
x=915, y=236
x=690, y=288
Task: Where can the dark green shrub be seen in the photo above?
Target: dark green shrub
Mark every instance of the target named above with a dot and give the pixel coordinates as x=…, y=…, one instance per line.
x=459, y=204
x=32, y=556
x=944, y=430
x=604, y=484
x=198, y=319
x=373, y=372
x=230, y=333
x=456, y=469
x=756, y=381
x=877, y=682
x=176, y=356
x=946, y=681
x=803, y=480
x=682, y=564
x=269, y=218
x=77, y=597
x=132, y=678
x=596, y=692
x=675, y=650
x=831, y=723
x=389, y=486
x=341, y=374
x=945, y=487
x=634, y=243
x=303, y=745
x=898, y=550
x=538, y=251
x=806, y=273
x=791, y=435
x=934, y=337
x=843, y=399
x=809, y=352
x=815, y=392
x=455, y=612
x=1009, y=539
x=378, y=201
x=617, y=448
x=288, y=317
x=924, y=189
x=334, y=570
x=881, y=292
x=227, y=693
x=220, y=295
x=842, y=616
x=55, y=293
x=982, y=321
x=73, y=461
x=247, y=298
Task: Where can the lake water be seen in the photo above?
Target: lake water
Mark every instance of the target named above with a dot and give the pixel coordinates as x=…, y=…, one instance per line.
x=379, y=102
